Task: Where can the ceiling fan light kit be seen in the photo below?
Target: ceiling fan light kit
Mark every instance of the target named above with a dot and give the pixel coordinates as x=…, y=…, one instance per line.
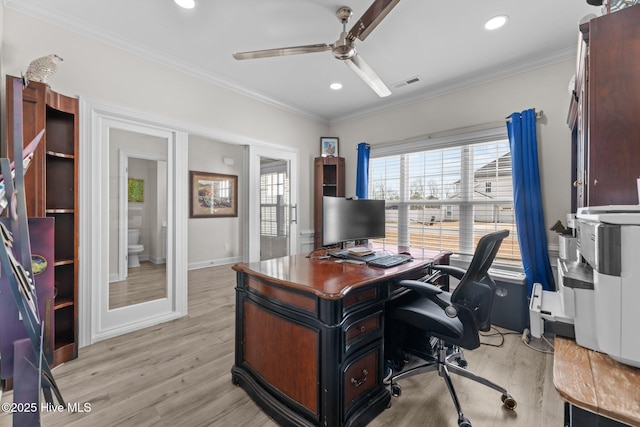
x=496, y=22
x=187, y=4
x=344, y=48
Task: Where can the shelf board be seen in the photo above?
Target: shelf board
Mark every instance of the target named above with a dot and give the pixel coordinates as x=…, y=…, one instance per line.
x=63, y=262
x=64, y=350
x=61, y=155
x=62, y=303
x=59, y=211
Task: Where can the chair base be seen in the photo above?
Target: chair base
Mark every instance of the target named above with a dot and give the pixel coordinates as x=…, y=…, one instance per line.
x=446, y=360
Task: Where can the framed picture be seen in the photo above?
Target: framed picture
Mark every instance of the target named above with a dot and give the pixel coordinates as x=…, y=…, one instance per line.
x=213, y=195
x=328, y=146
x=136, y=190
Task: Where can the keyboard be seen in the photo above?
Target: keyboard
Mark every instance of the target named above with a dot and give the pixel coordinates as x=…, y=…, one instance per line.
x=389, y=261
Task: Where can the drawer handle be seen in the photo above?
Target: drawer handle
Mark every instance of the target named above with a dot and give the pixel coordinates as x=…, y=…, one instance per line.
x=363, y=328
x=358, y=383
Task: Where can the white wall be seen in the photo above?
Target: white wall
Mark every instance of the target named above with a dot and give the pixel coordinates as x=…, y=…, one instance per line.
x=543, y=89
x=208, y=236
x=96, y=71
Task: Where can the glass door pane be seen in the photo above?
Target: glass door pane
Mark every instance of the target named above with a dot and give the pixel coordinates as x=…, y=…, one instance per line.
x=275, y=208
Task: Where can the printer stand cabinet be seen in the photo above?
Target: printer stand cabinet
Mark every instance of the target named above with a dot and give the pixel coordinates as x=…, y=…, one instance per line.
x=604, y=111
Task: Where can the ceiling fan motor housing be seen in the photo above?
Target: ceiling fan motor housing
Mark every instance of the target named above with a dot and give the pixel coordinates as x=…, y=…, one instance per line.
x=343, y=48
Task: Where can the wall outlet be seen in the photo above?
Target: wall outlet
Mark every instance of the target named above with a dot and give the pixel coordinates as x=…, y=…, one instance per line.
x=226, y=247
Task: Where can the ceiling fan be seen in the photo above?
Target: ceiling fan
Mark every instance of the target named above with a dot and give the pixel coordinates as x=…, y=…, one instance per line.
x=344, y=48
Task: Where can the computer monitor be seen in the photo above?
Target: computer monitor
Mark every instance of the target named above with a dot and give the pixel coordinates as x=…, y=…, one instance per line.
x=344, y=220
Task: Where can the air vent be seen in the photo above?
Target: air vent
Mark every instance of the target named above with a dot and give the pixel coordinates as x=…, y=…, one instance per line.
x=407, y=82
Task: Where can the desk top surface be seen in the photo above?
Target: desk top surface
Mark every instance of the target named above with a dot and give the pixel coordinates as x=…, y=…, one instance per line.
x=595, y=382
x=329, y=279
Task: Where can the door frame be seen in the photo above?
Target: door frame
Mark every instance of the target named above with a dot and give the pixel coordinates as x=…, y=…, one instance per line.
x=252, y=238
x=97, y=321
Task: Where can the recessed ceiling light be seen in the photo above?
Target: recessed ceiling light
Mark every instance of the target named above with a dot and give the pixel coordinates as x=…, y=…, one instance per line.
x=336, y=86
x=496, y=22
x=187, y=4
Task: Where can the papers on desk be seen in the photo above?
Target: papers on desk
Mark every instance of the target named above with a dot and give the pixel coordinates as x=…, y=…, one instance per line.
x=360, y=251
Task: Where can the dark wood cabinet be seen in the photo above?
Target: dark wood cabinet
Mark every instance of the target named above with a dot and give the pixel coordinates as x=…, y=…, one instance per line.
x=309, y=346
x=328, y=181
x=605, y=110
x=51, y=189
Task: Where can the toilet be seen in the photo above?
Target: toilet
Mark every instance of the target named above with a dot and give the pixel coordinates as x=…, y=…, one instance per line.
x=134, y=249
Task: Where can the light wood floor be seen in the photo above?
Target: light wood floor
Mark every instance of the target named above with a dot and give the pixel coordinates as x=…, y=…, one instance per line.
x=178, y=374
x=147, y=282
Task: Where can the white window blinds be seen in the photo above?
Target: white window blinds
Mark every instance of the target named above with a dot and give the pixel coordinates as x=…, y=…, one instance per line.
x=446, y=193
x=274, y=190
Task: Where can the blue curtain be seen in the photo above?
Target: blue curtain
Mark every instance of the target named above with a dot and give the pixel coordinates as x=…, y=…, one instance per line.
x=362, y=171
x=527, y=197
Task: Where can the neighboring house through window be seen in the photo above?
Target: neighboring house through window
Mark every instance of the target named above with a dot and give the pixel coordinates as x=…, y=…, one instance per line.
x=445, y=193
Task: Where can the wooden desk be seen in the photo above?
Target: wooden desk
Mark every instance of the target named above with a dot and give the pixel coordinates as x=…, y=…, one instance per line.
x=310, y=335
x=606, y=392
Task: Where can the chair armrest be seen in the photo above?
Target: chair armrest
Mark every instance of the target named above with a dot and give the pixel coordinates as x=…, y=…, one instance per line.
x=456, y=272
x=430, y=291
x=424, y=289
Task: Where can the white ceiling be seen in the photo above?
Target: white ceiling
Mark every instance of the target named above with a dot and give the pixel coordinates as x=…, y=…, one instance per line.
x=442, y=42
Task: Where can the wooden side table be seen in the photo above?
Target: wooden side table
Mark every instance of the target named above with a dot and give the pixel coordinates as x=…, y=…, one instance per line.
x=598, y=390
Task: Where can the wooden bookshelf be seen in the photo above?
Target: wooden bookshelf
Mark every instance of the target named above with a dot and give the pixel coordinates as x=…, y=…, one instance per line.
x=51, y=189
x=328, y=181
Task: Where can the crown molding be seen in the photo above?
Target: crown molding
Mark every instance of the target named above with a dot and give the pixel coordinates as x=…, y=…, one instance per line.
x=467, y=81
x=53, y=17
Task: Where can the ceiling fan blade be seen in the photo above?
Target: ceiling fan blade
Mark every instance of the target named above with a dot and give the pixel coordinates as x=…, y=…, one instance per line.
x=294, y=50
x=371, y=18
x=357, y=64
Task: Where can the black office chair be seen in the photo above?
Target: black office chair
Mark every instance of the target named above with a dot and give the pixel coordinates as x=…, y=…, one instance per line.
x=426, y=328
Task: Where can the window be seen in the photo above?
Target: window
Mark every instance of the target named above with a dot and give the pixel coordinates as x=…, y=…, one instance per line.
x=273, y=201
x=447, y=193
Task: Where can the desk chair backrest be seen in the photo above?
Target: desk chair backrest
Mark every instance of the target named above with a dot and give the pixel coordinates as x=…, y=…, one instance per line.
x=473, y=297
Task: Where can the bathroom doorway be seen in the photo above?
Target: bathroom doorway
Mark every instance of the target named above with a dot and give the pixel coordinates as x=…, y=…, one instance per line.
x=138, y=270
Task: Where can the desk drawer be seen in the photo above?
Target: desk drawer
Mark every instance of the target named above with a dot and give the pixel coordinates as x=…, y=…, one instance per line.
x=360, y=376
x=361, y=328
x=355, y=298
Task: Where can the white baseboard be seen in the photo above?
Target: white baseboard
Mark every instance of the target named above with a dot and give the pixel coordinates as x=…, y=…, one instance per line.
x=213, y=262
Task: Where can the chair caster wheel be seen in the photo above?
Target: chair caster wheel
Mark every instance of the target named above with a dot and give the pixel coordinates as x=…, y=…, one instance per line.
x=460, y=361
x=464, y=422
x=509, y=402
x=396, y=390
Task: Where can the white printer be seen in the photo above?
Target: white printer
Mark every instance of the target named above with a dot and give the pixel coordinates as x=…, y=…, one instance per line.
x=609, y=241
x=570, y=309
x=601, y=291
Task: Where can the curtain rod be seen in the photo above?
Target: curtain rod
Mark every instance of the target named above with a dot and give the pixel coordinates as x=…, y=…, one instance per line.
x=539, y=115
x=444, y=133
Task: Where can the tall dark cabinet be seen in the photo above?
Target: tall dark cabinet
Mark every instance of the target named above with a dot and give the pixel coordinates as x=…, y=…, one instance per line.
x=328, y=181
x=605, y=111
x=51, y=189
